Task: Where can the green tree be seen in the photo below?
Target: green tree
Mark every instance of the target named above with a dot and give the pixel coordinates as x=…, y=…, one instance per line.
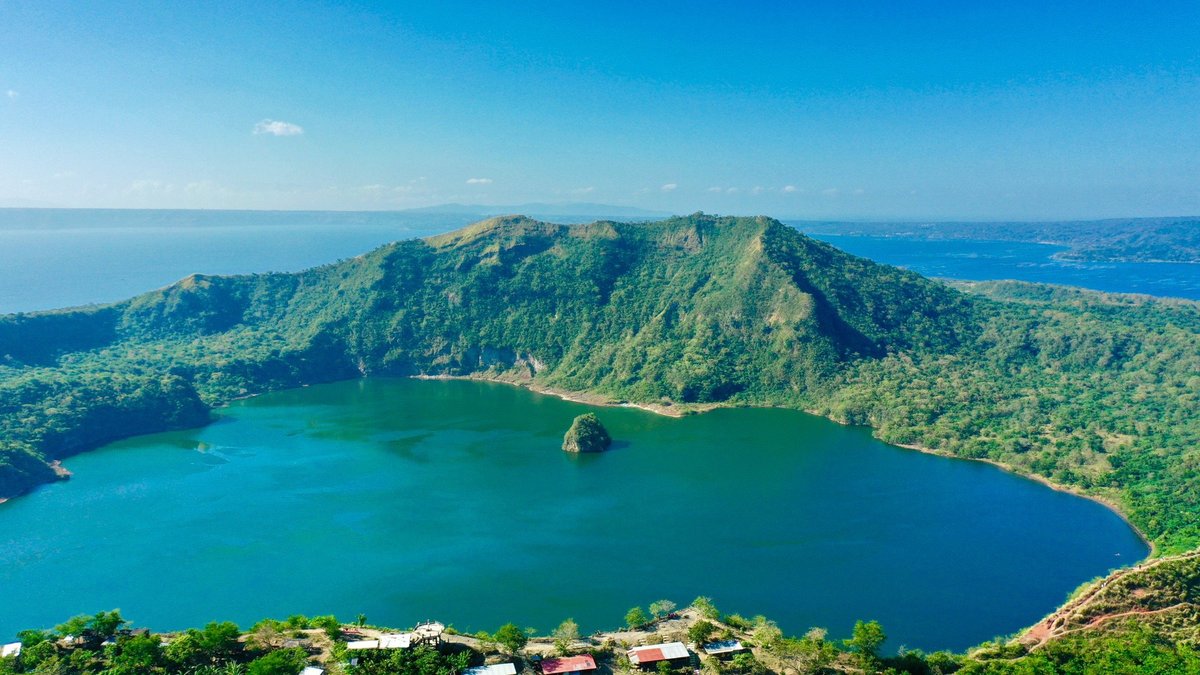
x=662, y=608
x=865, y=641
x=511, y=637
x=30, y=638
x=267, y=634
x=565, y=635
x=744, y=662
x=635, y=617
x=137, y=655
x=701, y=631
x=765, y=633
x=279, y=662
x=106, y=624
x=329, y=624
x=704, y=605
x=73, y=626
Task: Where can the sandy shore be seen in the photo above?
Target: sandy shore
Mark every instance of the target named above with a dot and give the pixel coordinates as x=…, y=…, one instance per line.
x=667, y=410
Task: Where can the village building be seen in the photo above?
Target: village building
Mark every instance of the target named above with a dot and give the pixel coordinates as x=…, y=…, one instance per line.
x=648, y=657
x=10, y=649
x=496, y=669
x=396, y=640
x=312, y=670
x=723, y=648
x=569, y=665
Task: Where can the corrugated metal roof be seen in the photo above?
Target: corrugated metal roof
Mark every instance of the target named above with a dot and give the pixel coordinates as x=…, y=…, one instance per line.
x=396, y=641
x=363, y=644
x=496, y=669
x=723, y=647
x=313, y=670
x=568, y=664
x=651, y=653
x=10, y=649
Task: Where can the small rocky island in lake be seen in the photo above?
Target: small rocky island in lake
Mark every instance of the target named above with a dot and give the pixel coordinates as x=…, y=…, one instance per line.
x=586, y=435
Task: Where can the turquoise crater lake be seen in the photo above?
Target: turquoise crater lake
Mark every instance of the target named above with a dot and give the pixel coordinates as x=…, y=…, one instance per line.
x=407, y=500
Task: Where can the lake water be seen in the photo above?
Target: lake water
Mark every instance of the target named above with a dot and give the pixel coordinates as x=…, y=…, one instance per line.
x=986, y=260
x=53, y=258
x=408, y=500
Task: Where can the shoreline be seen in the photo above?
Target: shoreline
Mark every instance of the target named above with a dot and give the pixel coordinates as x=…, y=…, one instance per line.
x=582, y=396
x=671, y=411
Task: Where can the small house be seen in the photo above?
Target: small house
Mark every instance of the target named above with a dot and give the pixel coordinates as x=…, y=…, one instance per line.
x=497, y=669
x=396, y=640
x=312, y=670
x=362, y=644
x=723, y=648
x=569, y=665
x=10, y=649
x=648, y=657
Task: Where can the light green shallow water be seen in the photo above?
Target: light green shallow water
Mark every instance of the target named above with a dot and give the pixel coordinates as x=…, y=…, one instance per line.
x=408, y=500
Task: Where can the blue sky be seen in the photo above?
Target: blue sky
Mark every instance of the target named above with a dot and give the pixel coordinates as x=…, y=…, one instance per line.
x=816, y=109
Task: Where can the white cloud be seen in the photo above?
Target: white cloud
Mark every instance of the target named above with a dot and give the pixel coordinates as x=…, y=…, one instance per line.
x=12, y=94
x=757, y=189
x=278, y=128
x=715, y=188
x=584, y=190
x=830, y=192
x=789, y=188
x=731, y=191
x=669, y=187
x=479, y=181
x=149, y=186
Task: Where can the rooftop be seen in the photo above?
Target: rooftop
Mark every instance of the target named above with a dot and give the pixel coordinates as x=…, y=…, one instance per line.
x=568, y=664
x=723, y=647
x=652, y=653
x=497, y=669
x=396, y=641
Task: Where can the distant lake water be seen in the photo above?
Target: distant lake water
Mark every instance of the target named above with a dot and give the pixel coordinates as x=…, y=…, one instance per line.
x=987, y=260
x=408, y=500
x=52, y=258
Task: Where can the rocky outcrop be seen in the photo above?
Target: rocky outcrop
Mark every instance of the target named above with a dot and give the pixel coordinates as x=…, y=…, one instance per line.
x=586, y=435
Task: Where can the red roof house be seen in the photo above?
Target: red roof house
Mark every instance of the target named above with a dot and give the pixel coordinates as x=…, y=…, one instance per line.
x=569, y=665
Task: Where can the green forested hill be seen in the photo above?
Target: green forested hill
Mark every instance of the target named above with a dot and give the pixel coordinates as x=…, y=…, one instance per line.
x=1091, y=390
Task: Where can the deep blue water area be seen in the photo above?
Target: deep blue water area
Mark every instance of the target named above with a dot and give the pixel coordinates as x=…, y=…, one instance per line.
x=407, y=500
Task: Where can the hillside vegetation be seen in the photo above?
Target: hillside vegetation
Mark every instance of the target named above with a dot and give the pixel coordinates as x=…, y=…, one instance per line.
x=1090, y=390
x=1140, y=620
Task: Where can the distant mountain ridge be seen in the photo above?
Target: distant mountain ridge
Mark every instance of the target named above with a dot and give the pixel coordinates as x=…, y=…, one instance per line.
x=547, y=210
x=446, y=216
x=685, y=312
